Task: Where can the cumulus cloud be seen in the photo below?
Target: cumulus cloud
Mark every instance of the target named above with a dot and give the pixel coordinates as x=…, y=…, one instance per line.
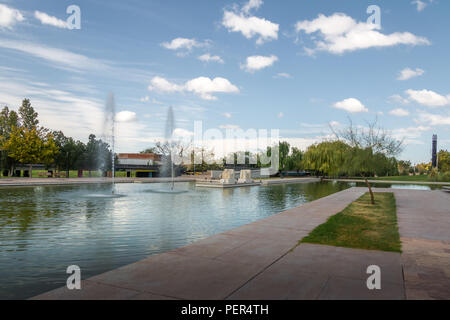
x=398, y=99
x=202, y=86
x=428, y=98
x=255, y=63
x=252, y=4
x=433, y=119
x=410, y=135
x=250, y=26
x=351, y=105
x=163, y=85
x=184, y=44
x=408, y=73
x=209, y=58
x=340, y=33
x=126, y=116
x=399, y=112
x=205, y=87
x=180, y=132
x=49, y=20
x=9, y=16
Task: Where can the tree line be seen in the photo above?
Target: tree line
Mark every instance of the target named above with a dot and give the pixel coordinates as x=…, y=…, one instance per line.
x=23, y=141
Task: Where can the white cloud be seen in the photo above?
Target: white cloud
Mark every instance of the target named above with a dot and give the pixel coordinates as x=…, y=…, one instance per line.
x=180, y=132
x=399, y=112
x=410, y=135
x=428, y=98
x=184, y=43
x=420, y=5
x=250, y=26
x=208, y=58
x=126, y=116
x=227, y=115
x=281, y=115
x=398, y=99
x=205, y=87
x=251, y=4
x=49, y=20
x=408, y=73
x=351, y=105
x=57, y=57
x=340, y=33
x=255, y=63
x=433, y=119
x=283, y=75
x=163, y=85
x=9, y=16
x=145, y=99
x=202, y=86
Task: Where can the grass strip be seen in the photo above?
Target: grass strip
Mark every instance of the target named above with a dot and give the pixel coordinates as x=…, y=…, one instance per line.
x=362, y=225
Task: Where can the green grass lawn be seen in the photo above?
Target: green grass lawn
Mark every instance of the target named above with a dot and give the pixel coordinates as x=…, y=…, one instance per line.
x=362, y=225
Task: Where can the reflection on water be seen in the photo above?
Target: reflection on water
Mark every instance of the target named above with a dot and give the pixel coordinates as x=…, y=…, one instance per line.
x=45, y=229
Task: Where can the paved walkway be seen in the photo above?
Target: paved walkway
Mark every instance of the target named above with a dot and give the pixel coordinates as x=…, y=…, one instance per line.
x=393, y=182
x=261, y=260
x=21, y=182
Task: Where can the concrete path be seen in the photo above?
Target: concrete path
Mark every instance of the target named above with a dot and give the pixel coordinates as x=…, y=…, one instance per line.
x=22, y=182
x=424, y=222
x=261, y=260
x=393, y=182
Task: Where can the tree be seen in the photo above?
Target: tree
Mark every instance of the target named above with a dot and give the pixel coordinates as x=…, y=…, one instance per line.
x=444, y=161
x=326, y=158
x=28, y=147
x=294, y=160
x=28, y=116
x=8, y=121
x=71, y=152
x=404, y=166
x=284, y=148
x=149, y=150
x=366, y=143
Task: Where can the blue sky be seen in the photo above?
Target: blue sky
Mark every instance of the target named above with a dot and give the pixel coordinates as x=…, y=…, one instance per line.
x=292, y=65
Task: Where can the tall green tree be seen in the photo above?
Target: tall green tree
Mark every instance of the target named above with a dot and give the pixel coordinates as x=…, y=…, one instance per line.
x=284, y=148
x=28, y=116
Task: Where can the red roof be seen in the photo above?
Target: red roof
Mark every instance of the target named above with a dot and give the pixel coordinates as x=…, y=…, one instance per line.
x=149, y=156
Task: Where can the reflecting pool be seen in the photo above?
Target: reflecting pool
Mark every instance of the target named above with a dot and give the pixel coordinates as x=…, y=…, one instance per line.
x=43, y=230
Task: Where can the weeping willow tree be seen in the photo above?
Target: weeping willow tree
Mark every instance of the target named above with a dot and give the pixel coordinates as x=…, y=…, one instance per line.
x=367, y=145
x=327, y=158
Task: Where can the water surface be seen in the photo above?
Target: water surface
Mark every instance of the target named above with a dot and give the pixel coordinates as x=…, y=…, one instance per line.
x=45, y=229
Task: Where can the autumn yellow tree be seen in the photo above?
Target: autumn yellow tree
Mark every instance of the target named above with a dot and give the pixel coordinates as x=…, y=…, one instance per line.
x=30, y=145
